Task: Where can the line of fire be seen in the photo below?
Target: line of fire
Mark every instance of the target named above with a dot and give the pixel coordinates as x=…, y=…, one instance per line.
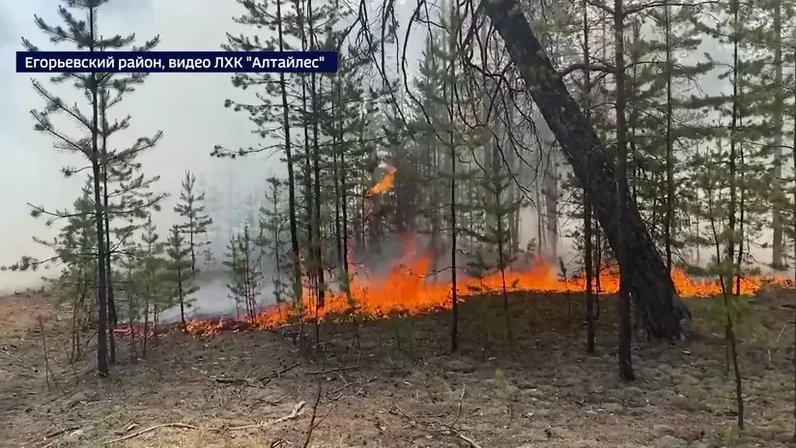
x=411, y=287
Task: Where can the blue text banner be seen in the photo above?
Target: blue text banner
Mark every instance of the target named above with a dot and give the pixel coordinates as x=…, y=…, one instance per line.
x=177, y=62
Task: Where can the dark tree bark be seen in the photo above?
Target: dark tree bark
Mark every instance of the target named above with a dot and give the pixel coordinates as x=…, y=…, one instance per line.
x=113, y=320
x=588, y=216
x=291, y=177
x=626, y=269
x=651, y=285
x=96, y=168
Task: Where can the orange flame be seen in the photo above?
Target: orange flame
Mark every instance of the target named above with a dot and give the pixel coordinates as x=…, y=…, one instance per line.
x=408, y=289
x=384, y=184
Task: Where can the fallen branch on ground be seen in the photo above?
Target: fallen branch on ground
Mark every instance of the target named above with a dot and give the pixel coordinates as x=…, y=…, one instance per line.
x=297, y=411
x=473, y=443
x=150, y=429
x=341, y=369
x=314, y=414
x=259, y=382
x=776, y=343
x=269, y=402
x=430, y=427
x=49, y=438
x=279, y=373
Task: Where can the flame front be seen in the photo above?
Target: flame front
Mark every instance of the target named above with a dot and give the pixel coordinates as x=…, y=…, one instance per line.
x=408, y=288
x=384, y=184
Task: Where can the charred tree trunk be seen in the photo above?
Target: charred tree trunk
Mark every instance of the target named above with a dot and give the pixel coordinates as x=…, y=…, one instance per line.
x=651, y=286
x=291, y=176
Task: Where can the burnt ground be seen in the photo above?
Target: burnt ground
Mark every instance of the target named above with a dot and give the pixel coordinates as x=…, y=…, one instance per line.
x=403, y=388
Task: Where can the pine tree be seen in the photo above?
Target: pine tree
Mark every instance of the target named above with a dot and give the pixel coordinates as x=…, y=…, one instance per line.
x=179, y=271
x=660, y=120
x=271, y=238
x=244, y=272
x=442, y=103
x=274, y=113
x=97, y=87
x=150, y=277
x=196, y=221
x=75, y=252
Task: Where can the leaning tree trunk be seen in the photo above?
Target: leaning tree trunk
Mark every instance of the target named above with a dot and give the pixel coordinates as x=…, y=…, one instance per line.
x=651, y=285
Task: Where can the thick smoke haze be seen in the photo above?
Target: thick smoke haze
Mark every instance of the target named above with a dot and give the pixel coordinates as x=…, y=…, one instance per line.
x=188, y=108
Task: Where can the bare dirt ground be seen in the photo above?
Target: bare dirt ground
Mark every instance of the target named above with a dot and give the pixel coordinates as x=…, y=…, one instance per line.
x=402, y=388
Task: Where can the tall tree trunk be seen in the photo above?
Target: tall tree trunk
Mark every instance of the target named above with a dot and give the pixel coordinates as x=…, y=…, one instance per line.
x=344, y=226
x=587, y=209
x=793, y=155
x=650, y=283
x=779, y=109
x=669, y=220
x=625, y=267
x=307, y=175
x=99, y=210
x=453, y=230
x=316, y=161
x=113, y=320
x=291, y=176
x=433, y=210
x=732, y=210
x=337, y=144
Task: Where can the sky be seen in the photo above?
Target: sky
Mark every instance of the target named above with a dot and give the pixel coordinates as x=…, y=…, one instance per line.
x=187, y=107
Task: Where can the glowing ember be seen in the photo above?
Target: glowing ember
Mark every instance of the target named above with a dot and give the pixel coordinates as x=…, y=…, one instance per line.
x=406, y=289
x=384, y=184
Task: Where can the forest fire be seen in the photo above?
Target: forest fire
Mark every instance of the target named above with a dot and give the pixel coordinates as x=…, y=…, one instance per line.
x=408, y=289
x=411, y=288
x=384, y=184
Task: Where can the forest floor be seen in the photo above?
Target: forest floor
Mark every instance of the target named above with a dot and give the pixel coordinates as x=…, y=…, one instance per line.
x=402, y=388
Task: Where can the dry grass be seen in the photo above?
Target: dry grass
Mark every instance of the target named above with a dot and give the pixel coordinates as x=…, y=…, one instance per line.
x=403, y=388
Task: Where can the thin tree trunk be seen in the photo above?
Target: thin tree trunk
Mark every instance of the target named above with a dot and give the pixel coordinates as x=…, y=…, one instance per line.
x=625, y=267
x=793, y=155
x=191, y=233
x=316, y=160
x=551, y=202
x=779, y=106
x=728, y=329
x=99, y=210
x=113, y=320
x=501, y=237
x=669, y=221
x=587, y=209
x=291, y=176
x=307, y=175
x=180, y=296
x=452, y=143
x=650, y=283
x=344, y=228
x=336, y=145
x=598, y=262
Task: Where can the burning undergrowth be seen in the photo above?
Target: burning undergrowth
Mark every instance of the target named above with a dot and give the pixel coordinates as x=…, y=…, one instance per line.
x=410, y=288
x=413, y=287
